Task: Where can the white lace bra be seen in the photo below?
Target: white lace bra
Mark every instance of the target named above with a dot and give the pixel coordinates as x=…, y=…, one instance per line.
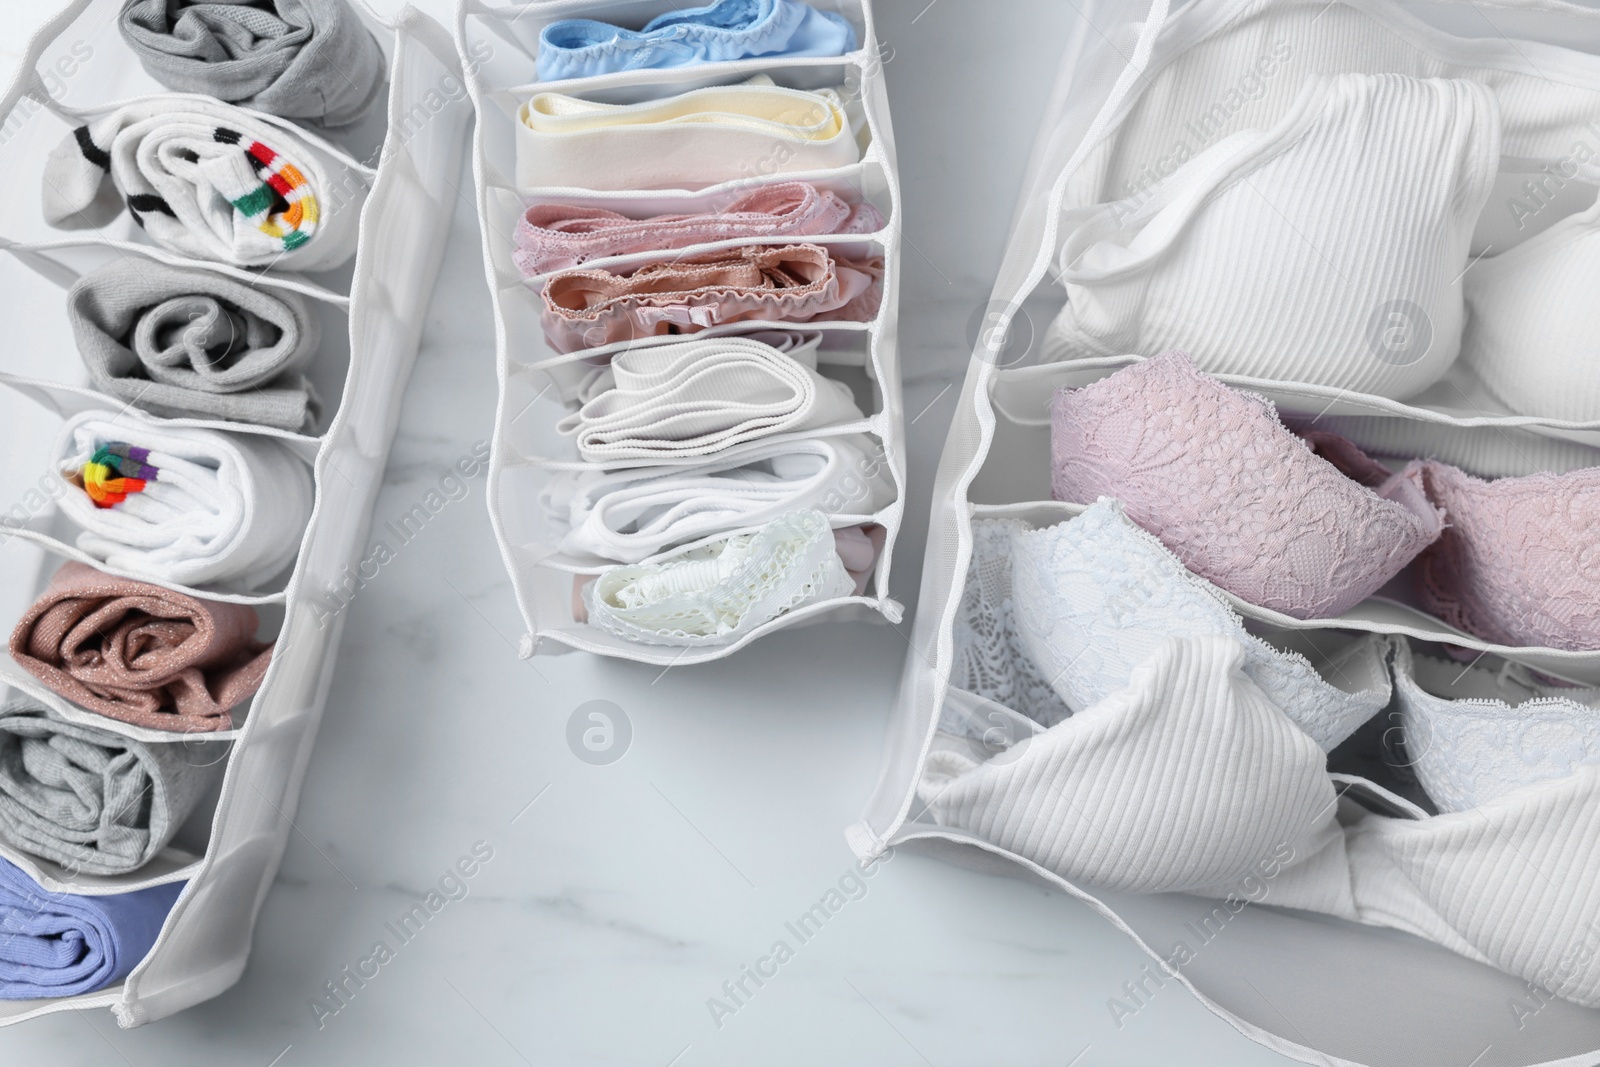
x=1090, y=599
x=1474, y=734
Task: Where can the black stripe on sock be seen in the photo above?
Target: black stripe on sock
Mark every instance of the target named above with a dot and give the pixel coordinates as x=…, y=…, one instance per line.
x=91, y=151
x=144, y=203
x=223, y=135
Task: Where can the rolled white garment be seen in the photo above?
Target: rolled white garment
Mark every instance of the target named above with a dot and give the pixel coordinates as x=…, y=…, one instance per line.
x=219, y=508
x=630, y=515
x=209, y=180
x=703, y=396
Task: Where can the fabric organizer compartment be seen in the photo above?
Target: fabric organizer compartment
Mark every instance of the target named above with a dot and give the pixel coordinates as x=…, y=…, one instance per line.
x=519, y=66
x=222, y=858
x=846, y=77
x=1015, y=467
x=1453, y=922
x=541, y=386
x=204, y=755
x=54, y=270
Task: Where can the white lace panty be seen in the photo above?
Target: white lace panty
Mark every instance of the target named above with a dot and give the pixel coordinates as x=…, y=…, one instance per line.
x=717, y=593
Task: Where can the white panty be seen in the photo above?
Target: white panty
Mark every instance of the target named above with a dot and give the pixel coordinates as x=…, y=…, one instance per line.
x=703, y=396
x=630, y=515
x=717, y=593
x=1285, y=255
x=687, y=141
x=222, y=507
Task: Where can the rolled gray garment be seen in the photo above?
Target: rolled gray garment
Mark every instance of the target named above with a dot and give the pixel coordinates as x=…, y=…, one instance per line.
x=94, y=801
x=301, y=59
x=188, y=343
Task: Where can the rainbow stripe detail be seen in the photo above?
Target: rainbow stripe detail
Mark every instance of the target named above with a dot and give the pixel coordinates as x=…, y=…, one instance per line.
x=282, y=186
x=115, y=472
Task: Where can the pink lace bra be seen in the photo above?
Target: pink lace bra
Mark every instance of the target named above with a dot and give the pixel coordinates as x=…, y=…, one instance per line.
x=1310, y=525
x=791, y=283
x=1519, y=563
x=1237, y=497
x=554, y=237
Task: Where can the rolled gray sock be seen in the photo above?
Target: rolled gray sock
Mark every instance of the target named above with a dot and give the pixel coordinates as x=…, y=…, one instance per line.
x=301, y=59
x=94, y=801
x=183, y=342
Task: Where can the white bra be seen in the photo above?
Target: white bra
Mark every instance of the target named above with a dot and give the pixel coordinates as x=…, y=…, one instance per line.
x=1533, y=323
x=1285, y=255
x=1183, y=779
x=1225, y=66
x=1092, y=597
x=630, y=515
x=687, y=141
x=697, y=397
x=1473, y=734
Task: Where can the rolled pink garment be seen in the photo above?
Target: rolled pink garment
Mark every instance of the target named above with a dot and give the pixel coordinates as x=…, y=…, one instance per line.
x=139, y=653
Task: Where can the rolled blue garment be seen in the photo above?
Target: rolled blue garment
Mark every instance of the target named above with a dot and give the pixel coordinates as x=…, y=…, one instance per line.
x=62, y=945
x=719, y=32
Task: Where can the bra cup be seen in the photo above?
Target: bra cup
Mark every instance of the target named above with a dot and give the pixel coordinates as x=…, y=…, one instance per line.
x=1514, y=883
x=1532, y=326
x=1095, y=596
x=1475, y=735
x=1235, y=496
x=1517, y=564
x=989, y=659
x=1328, y=250
x=1187, y=777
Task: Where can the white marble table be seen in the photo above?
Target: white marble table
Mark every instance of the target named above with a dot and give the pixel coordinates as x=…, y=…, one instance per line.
x=621, y=898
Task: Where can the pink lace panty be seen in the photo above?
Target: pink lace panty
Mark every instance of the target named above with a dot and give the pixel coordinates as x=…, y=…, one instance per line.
x=553, y=237
x=791, y=283
x=1237, y=497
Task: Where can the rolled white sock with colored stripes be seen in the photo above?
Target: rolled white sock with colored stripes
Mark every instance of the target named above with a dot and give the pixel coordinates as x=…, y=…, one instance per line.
x=291, y=198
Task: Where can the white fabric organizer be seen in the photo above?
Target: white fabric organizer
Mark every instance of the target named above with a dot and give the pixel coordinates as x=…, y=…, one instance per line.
x=1321, y=912
x=541, y=389
x=369, y=311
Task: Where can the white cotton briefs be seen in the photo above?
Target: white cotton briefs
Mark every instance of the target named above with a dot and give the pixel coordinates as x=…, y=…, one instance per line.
x=630, y=515
x=700, y=397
